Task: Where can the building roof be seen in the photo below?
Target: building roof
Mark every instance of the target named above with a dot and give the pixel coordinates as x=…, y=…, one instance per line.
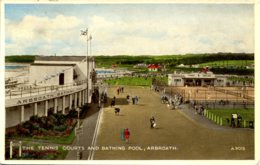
x=197, y=75
x=59, y=58
x=46, y=64
x=153, y=66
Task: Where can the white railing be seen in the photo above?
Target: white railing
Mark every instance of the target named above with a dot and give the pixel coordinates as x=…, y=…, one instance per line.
x=36, y=90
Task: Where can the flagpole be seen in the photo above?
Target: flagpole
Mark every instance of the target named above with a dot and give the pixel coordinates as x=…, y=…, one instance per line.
x=85, y=33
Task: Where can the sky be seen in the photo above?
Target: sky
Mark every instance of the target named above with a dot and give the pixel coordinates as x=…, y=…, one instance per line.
x=128, y=29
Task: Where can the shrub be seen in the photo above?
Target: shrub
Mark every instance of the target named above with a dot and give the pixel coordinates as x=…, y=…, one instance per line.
x=34, y=118
x=10, y=133
x=43, y=121
x=37, y=133
x=35, y=126
x=72, y=114
x=60, y=128
x=53, y=119
x=23, y=131
x=60, y=118
x=27, y=125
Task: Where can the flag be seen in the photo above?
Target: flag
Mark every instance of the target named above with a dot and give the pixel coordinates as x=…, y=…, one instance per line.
x=84, y=32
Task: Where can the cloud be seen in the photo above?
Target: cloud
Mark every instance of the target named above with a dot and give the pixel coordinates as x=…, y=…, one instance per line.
x=133, y=35
x=39, y=32
x=172, y=37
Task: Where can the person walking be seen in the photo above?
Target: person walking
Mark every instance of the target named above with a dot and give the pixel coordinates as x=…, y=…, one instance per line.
x=233, y=124
x=133, y=100
x=122, y=134
x=239, y=120
x=128, y=99
x=152, y=122
x=127, y=135
x=117, y=110
x=113, y=102
x=136, y=99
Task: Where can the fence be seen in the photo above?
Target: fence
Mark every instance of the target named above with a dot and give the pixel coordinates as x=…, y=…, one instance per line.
x=226, y=122
x=211, y=96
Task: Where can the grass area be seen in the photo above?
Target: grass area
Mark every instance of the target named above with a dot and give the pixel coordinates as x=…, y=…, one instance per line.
x=63, y=154
x=247, y=114
x=131, y=81
x=135, y=81
x=228, y=63
x=59, y=140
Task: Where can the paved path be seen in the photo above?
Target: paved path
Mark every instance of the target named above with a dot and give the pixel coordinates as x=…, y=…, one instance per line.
x=85, y=140
x=178, y=135
x=189, y=112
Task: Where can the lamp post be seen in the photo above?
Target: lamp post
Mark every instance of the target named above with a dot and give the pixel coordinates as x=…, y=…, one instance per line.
x=78, y=132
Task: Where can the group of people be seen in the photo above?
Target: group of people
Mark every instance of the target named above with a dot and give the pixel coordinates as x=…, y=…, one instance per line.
x=134, y=99
x=164, y=99
x=120, y=90
x=172, y=101
x=125, y=135
x=233, y=121
x=199, y=109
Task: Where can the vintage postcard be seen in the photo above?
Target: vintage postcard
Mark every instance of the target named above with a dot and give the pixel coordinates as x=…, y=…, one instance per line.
x=127, y=82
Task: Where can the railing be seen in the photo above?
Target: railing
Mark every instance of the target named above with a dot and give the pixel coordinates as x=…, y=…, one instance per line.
x=36, y=90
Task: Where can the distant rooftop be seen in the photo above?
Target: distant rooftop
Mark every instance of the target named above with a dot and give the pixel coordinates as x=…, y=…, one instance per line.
x=59, y=58
x=46, y=64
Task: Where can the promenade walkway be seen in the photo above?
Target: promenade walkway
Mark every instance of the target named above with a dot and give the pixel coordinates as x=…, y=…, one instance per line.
x=178, y=136
x=85, y=139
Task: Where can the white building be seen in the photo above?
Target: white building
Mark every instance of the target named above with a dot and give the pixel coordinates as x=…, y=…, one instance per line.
x=57, y=83
x=192, y=79
x=204, y=79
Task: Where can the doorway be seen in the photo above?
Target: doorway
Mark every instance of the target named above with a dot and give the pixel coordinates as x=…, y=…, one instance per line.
x=198, y=82
x=61, y=79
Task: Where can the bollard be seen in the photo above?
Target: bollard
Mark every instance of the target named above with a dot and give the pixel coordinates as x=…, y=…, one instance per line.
x=11, y=149
x=78, y=155
x=212, y=116
x=244, y=123
x=217, y=119
x=221, y=121
x=205, y=112
x=20, y=149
